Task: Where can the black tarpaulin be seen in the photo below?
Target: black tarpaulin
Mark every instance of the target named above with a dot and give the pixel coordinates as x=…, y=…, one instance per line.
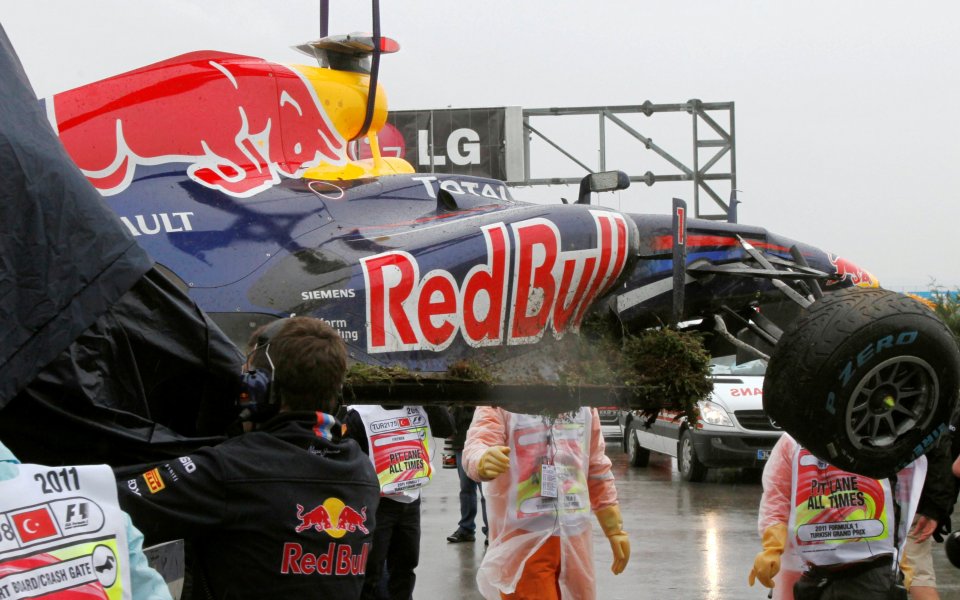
x=64, y=255
x=104, y=359
x=152, y=378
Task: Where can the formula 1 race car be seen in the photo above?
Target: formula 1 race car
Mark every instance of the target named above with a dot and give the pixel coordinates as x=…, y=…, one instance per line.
x=235, y=175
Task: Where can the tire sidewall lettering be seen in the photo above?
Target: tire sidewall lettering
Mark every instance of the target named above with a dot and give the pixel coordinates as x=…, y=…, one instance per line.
x=925, y=444
x=868, y=352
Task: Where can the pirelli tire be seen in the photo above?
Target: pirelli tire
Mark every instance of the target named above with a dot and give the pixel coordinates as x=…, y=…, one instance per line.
x=866, y=379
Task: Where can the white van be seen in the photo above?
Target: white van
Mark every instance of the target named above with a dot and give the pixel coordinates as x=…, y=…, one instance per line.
x=733, y=430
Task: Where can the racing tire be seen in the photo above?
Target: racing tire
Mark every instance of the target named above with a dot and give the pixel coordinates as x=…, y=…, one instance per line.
x=637, y=455
x=866, y=380
x=690, y=467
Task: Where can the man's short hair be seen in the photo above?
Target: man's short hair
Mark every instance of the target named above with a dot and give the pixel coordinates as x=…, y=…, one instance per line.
x=309, y=361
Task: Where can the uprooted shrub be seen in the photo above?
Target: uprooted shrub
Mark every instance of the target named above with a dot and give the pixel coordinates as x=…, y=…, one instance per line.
x=655, y=369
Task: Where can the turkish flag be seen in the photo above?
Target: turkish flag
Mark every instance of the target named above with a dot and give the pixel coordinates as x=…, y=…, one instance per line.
x=35, y=524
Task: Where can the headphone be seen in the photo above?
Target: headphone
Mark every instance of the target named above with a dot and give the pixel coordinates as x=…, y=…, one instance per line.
x=259, y=397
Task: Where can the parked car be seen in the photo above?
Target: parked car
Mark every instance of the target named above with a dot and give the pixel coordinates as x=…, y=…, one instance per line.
x=610, y=422
x=449, y=457
x=733, y=429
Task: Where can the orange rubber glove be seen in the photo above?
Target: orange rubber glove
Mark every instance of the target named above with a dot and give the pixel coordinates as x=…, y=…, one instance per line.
x=767, y=562
x=612, y=525
x=494, y=462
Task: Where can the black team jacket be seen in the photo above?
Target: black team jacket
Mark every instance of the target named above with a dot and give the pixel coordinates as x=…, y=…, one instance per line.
x=284, y=512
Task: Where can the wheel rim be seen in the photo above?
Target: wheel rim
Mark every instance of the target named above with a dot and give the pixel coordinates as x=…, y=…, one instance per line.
x=632, y=445
x=895, y=397
x=686, y=454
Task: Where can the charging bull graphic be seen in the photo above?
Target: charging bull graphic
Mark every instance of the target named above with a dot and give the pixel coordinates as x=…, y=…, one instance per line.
x=333, y=510
x=239, y=122
x=318, y=519
x=351, y=520
x=846, y=270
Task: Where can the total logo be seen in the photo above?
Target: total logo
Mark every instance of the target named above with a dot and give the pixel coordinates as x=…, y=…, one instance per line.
x=550, y=289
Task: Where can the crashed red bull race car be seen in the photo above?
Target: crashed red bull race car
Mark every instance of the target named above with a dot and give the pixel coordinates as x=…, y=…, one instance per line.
x=234, y=175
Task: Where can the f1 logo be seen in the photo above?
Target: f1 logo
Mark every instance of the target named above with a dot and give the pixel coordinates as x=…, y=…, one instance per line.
x=77, y=510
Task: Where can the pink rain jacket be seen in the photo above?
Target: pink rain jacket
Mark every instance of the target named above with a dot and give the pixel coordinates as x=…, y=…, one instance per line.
x=778, y=498
x=520, y=520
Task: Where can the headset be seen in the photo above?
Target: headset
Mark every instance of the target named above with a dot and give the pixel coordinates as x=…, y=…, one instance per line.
x=259, y=397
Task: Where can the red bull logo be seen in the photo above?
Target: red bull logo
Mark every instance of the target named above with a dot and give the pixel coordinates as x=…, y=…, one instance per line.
x=335, y=519
x=550, y=288
x=351, y=520
x=239, y=123
x=333, y=510
x=846, y=270
x=318, y=518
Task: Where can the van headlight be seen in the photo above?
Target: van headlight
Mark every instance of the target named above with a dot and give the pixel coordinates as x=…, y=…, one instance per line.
x=714, y=414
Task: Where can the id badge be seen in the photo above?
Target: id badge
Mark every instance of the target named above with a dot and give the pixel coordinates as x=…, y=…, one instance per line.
x=548, y=481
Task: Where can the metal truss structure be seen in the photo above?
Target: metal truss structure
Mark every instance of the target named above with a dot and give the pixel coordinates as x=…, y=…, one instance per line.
x=707, y=133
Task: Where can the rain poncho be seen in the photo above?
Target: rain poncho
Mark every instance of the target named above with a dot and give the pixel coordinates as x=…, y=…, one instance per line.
x=833, y=517
x=522, y=516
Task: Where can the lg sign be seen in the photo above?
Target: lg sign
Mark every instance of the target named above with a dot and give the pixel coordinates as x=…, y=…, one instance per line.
x=484, y=142
x=463, y=148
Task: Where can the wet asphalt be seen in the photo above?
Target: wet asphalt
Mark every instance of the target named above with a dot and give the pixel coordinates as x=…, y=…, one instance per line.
x=690, y=541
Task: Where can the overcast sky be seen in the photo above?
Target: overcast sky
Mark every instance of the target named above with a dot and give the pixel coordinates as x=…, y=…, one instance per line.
x=846, y=125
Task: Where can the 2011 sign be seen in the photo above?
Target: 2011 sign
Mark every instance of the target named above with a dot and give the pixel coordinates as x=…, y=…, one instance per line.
x=551, y=289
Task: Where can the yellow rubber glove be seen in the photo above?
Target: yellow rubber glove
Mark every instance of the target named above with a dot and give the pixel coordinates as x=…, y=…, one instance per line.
x=906, y=565
x=612, y=525
x=767, y=562
x=494, y=462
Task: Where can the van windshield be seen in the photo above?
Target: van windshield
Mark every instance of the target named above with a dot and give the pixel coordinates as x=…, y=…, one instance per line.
x=727, y=365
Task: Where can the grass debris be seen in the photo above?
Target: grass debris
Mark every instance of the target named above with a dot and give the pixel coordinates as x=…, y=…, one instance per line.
x=364, y=374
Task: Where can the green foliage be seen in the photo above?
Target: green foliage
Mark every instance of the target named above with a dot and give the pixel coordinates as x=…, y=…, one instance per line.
x=471, y=370
x=667, y=367
x=947, y=307
x=363, y=374
x=657, y=368
x=661, y=368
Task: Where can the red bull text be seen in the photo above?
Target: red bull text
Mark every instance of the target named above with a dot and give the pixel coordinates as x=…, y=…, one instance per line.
x=339, y=559
x=550, y=289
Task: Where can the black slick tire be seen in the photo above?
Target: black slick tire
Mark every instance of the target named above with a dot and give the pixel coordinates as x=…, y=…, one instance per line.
x=867, y=380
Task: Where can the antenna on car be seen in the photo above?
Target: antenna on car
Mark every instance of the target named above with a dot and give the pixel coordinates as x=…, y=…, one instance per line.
x=357, y=53
x=324, y=18
x=374, y=71
x=357, y=48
